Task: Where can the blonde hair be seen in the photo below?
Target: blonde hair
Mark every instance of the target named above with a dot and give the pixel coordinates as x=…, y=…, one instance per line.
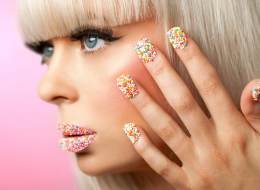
x=226, y=32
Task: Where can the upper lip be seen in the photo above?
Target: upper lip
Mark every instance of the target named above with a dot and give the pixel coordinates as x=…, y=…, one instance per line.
x=71, y=129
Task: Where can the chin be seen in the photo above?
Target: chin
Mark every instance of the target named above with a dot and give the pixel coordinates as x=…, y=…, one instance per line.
x=96, y=166
x=90, y=165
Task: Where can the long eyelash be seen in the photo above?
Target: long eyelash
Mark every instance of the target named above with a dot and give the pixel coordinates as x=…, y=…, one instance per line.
x=82, y=29
x=38, y=47
x=104, y=33
x=93, y=33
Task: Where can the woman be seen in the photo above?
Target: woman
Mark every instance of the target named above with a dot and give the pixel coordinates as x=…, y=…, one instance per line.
x=180, y=105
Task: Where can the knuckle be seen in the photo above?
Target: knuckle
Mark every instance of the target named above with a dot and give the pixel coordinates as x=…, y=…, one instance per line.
x=204, y=175
x=142, y=149
x=220, y=157
x=163, y=168
x=184, y=103
x=142, y=103
x=168, y=131
x=158, y=69
x=191, y=56
x=209, y=85
x=236, y=136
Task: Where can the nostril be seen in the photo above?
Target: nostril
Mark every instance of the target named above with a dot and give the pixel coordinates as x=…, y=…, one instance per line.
x=59, y=99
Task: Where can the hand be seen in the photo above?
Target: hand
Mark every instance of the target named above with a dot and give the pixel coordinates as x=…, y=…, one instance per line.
x=225, y=149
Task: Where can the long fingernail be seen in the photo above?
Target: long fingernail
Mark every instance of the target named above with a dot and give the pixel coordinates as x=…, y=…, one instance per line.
x=256, y=93
x=132, y=132
x=177, y=37
x=126, y=84
x=145, y=50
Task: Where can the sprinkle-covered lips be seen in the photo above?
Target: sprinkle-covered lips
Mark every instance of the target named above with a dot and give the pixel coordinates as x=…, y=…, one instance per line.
x=77, y=143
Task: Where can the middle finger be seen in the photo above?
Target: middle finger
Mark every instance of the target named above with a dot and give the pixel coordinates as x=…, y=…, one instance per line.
x=175, y=91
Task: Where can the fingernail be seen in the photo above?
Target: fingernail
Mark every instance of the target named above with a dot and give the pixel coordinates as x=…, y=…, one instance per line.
x=126, y=84
x=132, y=132
x=145, y=50
x=256, y=93
x=177, y=37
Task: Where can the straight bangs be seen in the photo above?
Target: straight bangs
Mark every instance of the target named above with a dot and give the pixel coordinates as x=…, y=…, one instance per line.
x=42, y=20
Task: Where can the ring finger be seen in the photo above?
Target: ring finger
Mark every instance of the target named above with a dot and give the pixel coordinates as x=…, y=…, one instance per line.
x=162, y=123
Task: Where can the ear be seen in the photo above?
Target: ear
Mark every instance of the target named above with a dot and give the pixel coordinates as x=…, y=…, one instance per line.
x=251, y=106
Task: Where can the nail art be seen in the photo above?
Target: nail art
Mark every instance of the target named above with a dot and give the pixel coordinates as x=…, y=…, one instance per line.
x=145, y=50
x=126, y=84
x=177, y=37
x=256, y=93
x=132, y=132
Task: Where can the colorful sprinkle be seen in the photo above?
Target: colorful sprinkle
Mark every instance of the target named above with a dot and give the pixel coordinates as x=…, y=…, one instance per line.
x=75, y=144
x=177, y=37
x=70, y=129
x=126, y=84
x=145, y=50
x=256, y=93
x=132, y=132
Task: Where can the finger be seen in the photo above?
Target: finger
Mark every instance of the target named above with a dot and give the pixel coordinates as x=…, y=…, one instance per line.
x=176, y=92
x=173, y=173
x=158, y=119
x=204, y=77
x=250, y=105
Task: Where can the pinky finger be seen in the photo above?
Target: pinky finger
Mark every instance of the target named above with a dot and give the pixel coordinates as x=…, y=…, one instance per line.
x=170, y=171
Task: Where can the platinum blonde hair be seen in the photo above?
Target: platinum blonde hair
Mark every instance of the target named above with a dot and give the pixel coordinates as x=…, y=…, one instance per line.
x=226, y=31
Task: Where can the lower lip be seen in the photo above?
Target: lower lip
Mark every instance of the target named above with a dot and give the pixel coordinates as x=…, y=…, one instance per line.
x=76, y=143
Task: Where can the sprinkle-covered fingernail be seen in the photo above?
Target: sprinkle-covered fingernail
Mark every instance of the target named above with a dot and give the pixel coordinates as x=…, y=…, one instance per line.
x=256, y=93
x=145, y=50
x=177, y=37
x=132, y=132
x=126, y=84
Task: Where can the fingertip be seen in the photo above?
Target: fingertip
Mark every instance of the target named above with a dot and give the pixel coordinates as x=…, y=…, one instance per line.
x=247, y=101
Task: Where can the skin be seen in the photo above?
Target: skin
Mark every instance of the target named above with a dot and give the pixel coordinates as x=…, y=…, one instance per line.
x=88, y=96
x=84, y=88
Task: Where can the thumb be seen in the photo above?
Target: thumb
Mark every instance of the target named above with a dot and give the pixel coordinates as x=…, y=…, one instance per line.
x=250, y=104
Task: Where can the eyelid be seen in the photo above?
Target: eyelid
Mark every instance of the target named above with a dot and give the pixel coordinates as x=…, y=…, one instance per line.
x=80, y=36
x=93, y=33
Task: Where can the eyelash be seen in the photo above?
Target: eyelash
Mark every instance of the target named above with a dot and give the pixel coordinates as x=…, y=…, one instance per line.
x=78, y=35
x=107, y=37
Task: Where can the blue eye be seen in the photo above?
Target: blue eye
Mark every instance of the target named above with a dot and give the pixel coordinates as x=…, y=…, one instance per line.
x=91, y=44
x=48, y=51
x=91, y=41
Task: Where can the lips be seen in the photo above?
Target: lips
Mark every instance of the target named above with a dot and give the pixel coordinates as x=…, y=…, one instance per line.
x=81, y=140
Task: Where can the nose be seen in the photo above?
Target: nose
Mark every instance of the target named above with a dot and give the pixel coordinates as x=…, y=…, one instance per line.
x=57, y=85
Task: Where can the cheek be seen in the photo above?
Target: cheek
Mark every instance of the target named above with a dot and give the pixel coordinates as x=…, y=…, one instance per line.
x=109, y=99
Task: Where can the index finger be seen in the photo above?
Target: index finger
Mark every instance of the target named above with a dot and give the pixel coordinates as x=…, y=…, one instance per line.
x=202, y=74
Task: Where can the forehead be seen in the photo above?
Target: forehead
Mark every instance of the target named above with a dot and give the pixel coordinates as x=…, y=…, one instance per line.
x=42, y=20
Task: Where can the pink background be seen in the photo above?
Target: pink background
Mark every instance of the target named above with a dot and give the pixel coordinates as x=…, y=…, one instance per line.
x=30, y=156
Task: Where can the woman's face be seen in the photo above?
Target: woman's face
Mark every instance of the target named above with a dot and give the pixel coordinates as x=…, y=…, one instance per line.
x=85, y=89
